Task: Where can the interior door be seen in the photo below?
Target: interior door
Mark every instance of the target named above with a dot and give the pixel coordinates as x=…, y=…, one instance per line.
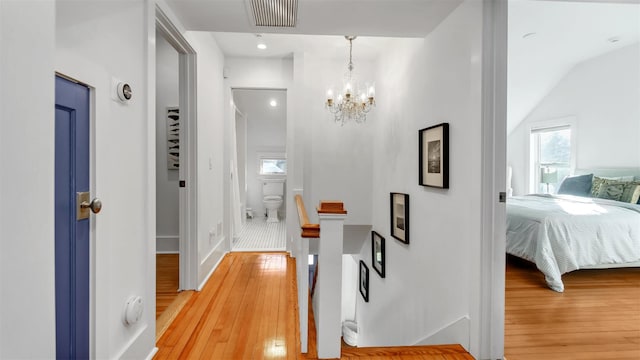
x=72, y=208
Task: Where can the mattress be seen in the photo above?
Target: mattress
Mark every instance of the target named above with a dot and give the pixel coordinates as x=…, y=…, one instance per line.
x=562, y=233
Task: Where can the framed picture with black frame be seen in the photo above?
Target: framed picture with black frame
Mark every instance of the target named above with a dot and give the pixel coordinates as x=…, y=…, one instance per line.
x=434, y=156
x=363, y=280
x=400, y=217
x=377, y=253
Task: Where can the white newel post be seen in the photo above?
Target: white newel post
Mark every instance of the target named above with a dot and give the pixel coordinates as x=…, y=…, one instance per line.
x=327, y=299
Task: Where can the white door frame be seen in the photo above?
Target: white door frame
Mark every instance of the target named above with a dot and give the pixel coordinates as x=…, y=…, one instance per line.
x=493, y=179
x=188, y=201
x=290, y=165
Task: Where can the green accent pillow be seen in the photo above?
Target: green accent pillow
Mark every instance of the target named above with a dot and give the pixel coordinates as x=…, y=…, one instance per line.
x=596, y=184
x=635, y=195
x=625, y=191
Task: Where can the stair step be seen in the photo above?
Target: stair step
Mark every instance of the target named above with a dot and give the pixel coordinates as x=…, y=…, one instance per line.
x=452, y=352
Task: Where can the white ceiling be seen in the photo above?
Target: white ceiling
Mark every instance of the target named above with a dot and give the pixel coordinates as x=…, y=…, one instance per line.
x=375, y=22
x=566, y=33
x=284, y=45
x=397, y=18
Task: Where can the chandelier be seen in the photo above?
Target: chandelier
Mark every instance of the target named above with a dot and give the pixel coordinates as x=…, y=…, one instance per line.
x=354, y=102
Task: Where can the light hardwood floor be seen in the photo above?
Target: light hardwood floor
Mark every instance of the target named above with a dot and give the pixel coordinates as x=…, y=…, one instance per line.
x=169, y=301
x=248, y=310
x=166, y=281
x=597, y=317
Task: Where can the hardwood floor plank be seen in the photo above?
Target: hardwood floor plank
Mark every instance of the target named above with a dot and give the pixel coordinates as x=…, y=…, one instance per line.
x=213, y=332
x=171, y=312
x=182, y=328
x=251, y=307
x=167, y=281
x=248, y=310
x=597, y=316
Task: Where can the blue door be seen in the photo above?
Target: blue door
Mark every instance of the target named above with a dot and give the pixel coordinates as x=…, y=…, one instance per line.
x=71, y=229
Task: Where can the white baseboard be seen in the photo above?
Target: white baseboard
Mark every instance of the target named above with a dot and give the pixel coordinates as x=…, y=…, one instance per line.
x=137, y=347
x=457, y=332
x=167, y=244
x=153, y=353
x=217, y=249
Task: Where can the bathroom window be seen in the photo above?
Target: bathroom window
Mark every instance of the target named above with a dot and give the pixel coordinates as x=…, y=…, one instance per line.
x=270, y=166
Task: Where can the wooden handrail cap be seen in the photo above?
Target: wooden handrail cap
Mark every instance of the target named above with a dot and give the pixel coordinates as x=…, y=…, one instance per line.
x=331, y=207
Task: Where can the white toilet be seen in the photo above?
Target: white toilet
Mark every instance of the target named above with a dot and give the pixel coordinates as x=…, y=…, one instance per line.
x=272, y=193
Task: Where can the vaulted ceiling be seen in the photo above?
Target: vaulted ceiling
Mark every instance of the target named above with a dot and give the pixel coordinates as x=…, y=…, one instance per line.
x=548, y=38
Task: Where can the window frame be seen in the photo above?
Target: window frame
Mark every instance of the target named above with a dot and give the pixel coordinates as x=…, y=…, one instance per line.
x=271, y=156
x=533, y=177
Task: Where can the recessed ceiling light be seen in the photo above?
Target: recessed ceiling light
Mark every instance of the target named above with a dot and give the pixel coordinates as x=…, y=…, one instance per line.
x=273, y=103
x=528, y=35
x=261, y=45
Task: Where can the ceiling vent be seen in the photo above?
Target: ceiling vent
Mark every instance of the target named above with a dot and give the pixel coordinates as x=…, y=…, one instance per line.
x=274, y=13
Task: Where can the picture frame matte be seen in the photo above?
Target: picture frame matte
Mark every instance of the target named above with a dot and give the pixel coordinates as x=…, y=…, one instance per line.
x=399, y=214
x=377, y=253
x=363, y=280
x=434, y=156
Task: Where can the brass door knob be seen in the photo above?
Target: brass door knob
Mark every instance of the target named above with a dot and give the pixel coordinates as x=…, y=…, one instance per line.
x=95, y=205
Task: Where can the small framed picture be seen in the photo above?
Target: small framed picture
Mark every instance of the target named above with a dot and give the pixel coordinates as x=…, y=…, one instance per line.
x=434, y=156
x=364, y=281
x=173, y=138
x=377, y=253
x=400, y=217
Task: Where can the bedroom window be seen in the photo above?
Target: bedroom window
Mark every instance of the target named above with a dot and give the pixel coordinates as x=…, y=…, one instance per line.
x=551, y=154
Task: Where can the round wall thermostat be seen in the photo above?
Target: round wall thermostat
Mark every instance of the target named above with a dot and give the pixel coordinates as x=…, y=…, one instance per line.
x=132, y=310
x=124, y=91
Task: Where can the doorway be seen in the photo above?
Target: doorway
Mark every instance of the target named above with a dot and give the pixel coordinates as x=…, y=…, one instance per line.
x=557, y=129
x=176, y=201
x=167, y=175
x=260, y=159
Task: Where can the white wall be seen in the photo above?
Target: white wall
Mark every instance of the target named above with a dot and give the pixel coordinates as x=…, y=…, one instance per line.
x=259, y=73
x=266, y=134
x=210, y=170
x=430, y=283
x=27, y=312
x=111, y=46
x=241, y=154
x=603, y=94
x=341, y=157
x=96, y=43
x=350, y=292
x=167, y=206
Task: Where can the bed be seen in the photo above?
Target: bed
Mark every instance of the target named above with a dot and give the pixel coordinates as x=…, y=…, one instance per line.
x=563, y=233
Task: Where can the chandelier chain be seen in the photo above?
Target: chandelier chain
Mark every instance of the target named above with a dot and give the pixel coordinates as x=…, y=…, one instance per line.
x=350, y=56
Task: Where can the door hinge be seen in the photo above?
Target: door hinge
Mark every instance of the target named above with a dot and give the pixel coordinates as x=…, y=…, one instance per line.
x=502, y=197
x=182, y=183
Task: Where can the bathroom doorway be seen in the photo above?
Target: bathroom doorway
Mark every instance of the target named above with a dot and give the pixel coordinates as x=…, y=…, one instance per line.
x=259, y=184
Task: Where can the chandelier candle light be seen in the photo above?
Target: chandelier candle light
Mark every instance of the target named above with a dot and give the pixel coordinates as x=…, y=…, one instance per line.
x=354, y=102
